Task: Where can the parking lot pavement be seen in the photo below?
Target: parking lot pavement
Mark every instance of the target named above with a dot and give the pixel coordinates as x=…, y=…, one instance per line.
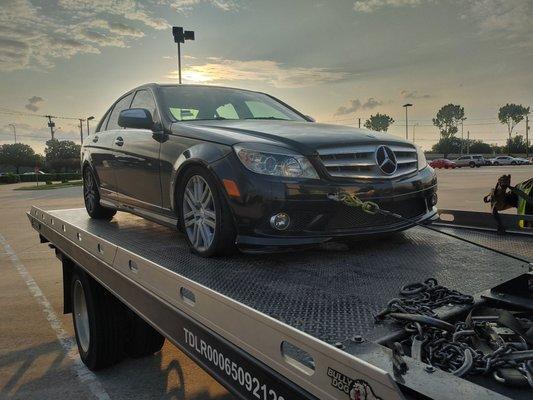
x=36, y=361
x=464, y=188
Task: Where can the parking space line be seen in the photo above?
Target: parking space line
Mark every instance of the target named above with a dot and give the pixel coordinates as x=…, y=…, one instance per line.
x=84, y=375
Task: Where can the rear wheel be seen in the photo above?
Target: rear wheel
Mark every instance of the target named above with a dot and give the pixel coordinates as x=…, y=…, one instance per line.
x=91, y=197
x=204, y=214
x=495, y=163
x=99, y=322
x=472, y=164
x=143, y=340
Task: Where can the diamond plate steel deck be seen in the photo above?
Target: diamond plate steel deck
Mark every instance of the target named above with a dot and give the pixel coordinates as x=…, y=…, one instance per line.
x=331, y=292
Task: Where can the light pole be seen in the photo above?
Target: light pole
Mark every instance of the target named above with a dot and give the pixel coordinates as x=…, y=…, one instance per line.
x=180, y=36
x=89, y=119
x=406, y=106
x=414, y=126
x=81, y=130
x=14, y=131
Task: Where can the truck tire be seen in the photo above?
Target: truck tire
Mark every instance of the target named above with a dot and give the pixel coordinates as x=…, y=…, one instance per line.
x=99, y=322
x=143, y=340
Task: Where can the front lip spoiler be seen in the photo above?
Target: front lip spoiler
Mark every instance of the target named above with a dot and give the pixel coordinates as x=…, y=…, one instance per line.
x=263, y=244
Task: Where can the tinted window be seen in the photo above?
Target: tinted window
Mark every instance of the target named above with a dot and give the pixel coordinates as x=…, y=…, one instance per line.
x=211, y=103
x=144, y=99
x=122, y=104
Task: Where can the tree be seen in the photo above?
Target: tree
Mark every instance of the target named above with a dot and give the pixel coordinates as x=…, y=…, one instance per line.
x=63, y=155
x=447, y=119
x=480, y=147
x=17, y=155
x=516, y=145
x=511, y=115
x=447, y=145
x=379, y=122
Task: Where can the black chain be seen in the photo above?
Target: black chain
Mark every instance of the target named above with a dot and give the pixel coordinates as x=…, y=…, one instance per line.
x=453, y=348
x=423, y=298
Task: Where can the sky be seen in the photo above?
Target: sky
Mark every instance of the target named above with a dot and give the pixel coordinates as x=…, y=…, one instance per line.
x=334, y=60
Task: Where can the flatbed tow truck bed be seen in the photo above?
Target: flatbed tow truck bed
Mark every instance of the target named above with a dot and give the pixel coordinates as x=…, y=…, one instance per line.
x=292, y=322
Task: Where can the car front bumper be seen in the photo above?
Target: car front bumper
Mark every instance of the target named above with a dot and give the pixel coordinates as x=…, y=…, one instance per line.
x=314, y=216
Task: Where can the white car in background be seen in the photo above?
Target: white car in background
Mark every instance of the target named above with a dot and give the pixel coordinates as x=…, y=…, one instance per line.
x=522, y=161
x=505, y=160
x=470, y=160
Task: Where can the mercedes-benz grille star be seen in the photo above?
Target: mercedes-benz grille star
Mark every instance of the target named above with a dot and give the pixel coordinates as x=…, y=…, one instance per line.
x=240, y=169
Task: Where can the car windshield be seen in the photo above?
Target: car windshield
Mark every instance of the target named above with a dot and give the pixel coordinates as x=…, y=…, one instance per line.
x=188, y=103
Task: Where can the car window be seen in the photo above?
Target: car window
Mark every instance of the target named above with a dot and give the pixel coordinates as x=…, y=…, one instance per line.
x=263, y=110
x=103, y=123
x=122, y=104
x=227, y=111
x=144, y=99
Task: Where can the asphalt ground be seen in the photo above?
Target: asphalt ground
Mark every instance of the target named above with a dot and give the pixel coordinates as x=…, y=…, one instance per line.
x=38, y=356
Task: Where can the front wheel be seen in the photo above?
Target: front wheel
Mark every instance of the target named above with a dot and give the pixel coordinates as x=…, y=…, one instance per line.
x=204, y=214
x=496, y=163
x=472, y=164
x=91, y=197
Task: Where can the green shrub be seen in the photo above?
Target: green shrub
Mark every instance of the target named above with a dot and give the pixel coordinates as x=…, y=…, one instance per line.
x=9, y=178
x=69, y=176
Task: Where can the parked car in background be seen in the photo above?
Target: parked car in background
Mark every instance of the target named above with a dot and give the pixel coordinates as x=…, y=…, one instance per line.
x=505, y=160
x=442, y=163
x=522, y=161
x=470, y=160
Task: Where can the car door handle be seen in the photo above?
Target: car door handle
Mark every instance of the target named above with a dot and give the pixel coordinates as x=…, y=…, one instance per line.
x=95, y=139
x=119, y=141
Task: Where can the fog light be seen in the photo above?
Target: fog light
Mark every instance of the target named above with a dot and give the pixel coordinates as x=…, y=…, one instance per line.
x=433, y=199
x=280, y=221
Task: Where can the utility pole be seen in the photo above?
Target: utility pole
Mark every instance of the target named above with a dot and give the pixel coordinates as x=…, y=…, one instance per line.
x=527, y=136
x=462, y=135
x=406, y=120
x=359, y=119
x=89, y=119
x=51, y=125
x=81, y=130
x=15, y=131
x=468, y=142
x=180, y=36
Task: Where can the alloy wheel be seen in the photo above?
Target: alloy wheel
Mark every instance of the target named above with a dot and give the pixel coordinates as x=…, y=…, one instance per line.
x=199, y=215
x=89, y=190
x=81, y=316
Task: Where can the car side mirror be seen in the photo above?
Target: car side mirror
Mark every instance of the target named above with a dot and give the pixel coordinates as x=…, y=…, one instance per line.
x=136, y=118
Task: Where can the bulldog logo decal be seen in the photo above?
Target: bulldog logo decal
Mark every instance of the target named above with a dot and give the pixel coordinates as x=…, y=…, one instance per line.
x=355, y=389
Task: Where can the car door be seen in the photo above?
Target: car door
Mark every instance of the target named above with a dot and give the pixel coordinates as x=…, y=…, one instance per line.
x=102, y=157
x=137, y=160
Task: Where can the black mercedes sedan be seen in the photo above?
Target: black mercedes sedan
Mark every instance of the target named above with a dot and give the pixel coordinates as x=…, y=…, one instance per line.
x=234, y=168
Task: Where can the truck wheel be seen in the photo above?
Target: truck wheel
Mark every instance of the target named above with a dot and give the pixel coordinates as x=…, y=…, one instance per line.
x=143, y=340
x=204, y=215
x=91, y=197
x=472, y=164
x=99, y=322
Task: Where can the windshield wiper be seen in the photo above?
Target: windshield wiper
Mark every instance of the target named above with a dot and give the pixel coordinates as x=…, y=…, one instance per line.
x=273, y=118
x=204, y=119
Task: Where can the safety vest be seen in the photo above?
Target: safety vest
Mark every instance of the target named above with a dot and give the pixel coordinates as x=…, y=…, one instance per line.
x=527, y=188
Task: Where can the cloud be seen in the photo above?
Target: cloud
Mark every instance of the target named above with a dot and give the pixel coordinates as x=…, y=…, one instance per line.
x=502, y=19
x=36, y=36
x=272, y=72
x=413, y=94
x=368, y=6
x=356, y=105
x=34, y=103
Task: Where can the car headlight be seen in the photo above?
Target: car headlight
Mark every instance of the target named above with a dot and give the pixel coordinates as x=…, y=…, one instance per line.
x=275, y=162
x=421, y=158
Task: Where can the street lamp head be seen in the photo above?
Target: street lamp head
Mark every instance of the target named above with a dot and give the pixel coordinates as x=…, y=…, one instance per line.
x=90, y=118
x=407, y=105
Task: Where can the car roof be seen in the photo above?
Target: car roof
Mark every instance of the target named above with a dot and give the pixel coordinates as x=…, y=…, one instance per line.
x=160, y=85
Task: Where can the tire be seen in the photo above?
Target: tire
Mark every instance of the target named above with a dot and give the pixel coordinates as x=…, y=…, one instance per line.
x=100, y=322
x=91, y=197
x=143, y=340
x=496, y=163
x=219, y=239
x=472, y=164
x=513, y=163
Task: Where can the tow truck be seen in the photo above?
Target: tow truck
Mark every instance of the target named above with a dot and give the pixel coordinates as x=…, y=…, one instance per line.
x=289, y=326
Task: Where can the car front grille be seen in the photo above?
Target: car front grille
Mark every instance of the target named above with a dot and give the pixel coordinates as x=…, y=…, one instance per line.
x=360, y=162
